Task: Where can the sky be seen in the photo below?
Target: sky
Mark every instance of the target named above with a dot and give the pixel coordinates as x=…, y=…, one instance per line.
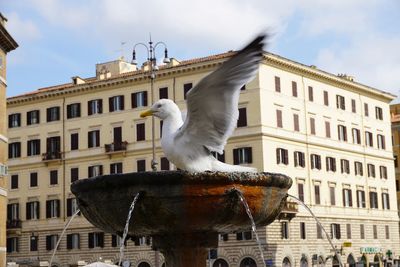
x=59, y=39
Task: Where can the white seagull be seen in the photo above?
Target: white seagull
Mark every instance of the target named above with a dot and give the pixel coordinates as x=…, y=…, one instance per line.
x=212, y=113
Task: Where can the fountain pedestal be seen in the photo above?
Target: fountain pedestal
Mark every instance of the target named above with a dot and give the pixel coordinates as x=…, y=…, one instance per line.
x=182, y=212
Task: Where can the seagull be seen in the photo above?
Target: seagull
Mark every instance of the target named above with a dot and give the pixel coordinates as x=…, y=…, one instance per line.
x=212, y=113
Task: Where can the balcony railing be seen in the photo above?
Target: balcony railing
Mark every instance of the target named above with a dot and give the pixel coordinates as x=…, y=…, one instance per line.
x=289, y=210
x=12, y=224
x=53, y=155
x=116, y=146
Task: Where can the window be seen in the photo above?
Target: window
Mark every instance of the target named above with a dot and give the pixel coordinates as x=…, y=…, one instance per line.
x=282, y=156
x=3, y=170
x=94, y=138
x=375, y=231
x=302, y=230
x=340, y=103
x=116, y=167
x=342, y=133
x=53, y=208
x=294, y=89
x=277, y=84
x=300, y=191
x=163, y=92
x=381, y=141
x=319, y=231
x=326, y=98
x=53, y=147
x=332, y=195
x=242, y=120
x=335, y=231
x=51, y=242
x=72, y=206
x=361, y=199
x=53, y=177
x=327, y=129
x=299, y=159
x=116, y=241
x=14, y=120
x=95, y=106
x=12, y=244
x=32, y=210
x=139, y=99
x=32, y=117
x=220, y=157
x=95, y=170
x=33, y=179
x=14, y=181
x=330, y=164
x=383, y=172
x=310, y=94
x=285, y=230
x=223, y=237
x=34, y=147
x=141, y=165
x=13, y=212
x=186, y=89
x=73, y=241
x=116, y=103
x=14, y=150
x=378, y=113
x=371, y=170
x=356, y=136
x=242, y=155
x=353, y=106
x=315, y=161
x=317, y=195
x=74, y=174
x=140, y=132
x=74, y=141
x=385, y=201
x=244, y=235
x=34, y=240
x=73, y=110
x=345, y=166
x=53, y=114
x=165, y=164
x=279, y=118
x=373, y=200
x=362, y=231
x=358, y=168
x=296, y=126
x=387, y=233
x=366, y=110
x=347, y=198
x=312, y=126
x=348, y=231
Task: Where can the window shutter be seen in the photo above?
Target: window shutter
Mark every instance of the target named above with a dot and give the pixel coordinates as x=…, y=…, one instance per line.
x=388, y=201
x=333, y=164
x=249, y=155
x=28, y=211
x=101, y=239
x=111, y=104
x=353, y=106
x=69, y=207
x=122, y=102
x=136, y=241
x=145, y=98
x=101, y=169
x=294, y=88
x=242, y=120
x=236, y=156
x=79, y=109
x=134, y=100
x=337, y=101
x=239, y=236
x=344, y=197
x=48, y=206
x=48, y=242
x=296, y=122
x=90, y=111
x=97, y=133
x=326, y=100
x=100, y=105
x=338, y=231
x=327, y=163
x=113, y=240
x=58, y=207
x=350, y=198
x=278, y=156
x=310, y=94
x=48, y=115
x=358, y=199
x=277, y=84
x=38, y=209
x=69, y=111
x=90, y=241
x=279, y=118
x=69, y=241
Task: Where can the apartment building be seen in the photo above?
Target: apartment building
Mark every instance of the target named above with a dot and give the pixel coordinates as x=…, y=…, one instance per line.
x=328, y=132
x=7, y=44
x=395, y=118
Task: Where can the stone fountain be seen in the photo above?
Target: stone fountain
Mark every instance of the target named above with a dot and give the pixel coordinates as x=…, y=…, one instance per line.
x=183, y=212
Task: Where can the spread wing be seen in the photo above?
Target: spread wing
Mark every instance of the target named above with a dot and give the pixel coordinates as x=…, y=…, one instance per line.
x=213, y=103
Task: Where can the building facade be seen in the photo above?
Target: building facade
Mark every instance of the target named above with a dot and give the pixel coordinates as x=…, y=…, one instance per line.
x=7, y=44
x=327, y=132
x=395, y=117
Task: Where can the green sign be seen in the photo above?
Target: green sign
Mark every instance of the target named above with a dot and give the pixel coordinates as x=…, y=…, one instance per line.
x=370, y=250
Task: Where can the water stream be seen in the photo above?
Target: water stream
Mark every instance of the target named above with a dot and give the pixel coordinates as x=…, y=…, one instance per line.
x=253, y=224
x=320, y=225
x=122, y=248
x=62, y=234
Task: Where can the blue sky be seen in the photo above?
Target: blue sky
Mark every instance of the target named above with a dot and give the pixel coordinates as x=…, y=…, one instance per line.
x=61, y=39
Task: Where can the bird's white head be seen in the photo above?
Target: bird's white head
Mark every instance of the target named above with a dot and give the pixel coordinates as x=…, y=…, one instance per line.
x=162, y=109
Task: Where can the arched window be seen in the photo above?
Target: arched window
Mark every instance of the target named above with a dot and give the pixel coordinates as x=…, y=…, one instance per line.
x=248, y=262
x=303, y=262
x=286, y=262
x=220, y=263
x=144, y=264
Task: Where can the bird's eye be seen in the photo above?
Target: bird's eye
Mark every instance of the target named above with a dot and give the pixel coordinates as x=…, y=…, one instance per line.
x=159, y=106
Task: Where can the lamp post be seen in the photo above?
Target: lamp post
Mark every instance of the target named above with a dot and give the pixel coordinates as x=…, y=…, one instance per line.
x=152, y=61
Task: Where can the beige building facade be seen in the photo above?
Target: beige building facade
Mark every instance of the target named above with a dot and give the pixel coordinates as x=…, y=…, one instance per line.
x=395, y=117
x=327, y=132
x=7, y=44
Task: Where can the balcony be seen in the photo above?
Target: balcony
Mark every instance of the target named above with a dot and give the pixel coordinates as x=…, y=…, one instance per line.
x=289, y=211
x=116, y=147
x=12, y=224
x=49, y=157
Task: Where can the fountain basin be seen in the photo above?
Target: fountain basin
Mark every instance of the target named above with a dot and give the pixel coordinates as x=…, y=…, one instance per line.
x=181, y=209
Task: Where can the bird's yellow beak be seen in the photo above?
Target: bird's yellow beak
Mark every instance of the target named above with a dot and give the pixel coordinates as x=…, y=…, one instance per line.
x=146, y=113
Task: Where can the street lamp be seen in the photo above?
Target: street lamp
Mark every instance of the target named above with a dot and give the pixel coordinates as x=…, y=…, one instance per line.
x=152, y=61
